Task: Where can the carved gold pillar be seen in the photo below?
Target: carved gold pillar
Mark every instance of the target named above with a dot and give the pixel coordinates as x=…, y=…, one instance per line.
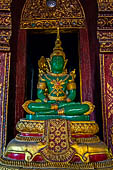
x=105, y=37
x=5, y=33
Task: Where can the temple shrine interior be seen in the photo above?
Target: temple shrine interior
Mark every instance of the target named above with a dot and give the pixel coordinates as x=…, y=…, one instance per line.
x=56, y=84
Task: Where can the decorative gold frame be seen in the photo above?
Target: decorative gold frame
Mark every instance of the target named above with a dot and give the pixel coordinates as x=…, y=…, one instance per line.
x=66, y=14
x=105, y=37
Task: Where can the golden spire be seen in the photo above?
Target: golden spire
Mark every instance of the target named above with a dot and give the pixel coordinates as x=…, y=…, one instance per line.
x=58, y=50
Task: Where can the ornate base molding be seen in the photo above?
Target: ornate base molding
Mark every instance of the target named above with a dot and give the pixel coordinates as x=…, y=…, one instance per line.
x=6, y=164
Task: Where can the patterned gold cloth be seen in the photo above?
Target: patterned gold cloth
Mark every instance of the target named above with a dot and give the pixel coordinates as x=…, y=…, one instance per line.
x=58, y=148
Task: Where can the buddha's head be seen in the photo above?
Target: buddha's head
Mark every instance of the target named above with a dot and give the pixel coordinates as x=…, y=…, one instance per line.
x=57, y=58
x=57, y=64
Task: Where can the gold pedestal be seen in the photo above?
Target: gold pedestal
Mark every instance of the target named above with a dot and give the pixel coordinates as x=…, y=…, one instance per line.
x=79, y=139
x=22, y=165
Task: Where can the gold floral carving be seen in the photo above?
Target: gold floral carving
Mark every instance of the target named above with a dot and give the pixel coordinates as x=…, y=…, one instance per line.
x=105, y=22
x=84, y=127
x=106, y=46
x=105, y=5
x=105, y=35
x=38, y=127
x=110, y=100
x=5, y=5
x=36, y=15
x=5, y=36
x=5, y=20
x=30, y=126
x=4, y=40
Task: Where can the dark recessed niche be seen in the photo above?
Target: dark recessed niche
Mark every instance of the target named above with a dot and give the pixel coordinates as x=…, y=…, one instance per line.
x=42, y=45
x=51, y=3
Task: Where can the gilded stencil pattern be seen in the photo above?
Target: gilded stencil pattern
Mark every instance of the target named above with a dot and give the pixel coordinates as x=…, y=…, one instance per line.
x=58, y=136
x=58, y=145
x=110, y=100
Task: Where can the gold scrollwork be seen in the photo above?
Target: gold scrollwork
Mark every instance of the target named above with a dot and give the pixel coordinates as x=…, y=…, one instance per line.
x=37, y=15
x=106, y=46
x=105, y=35
x=5, y=36
x=53, y=24
x=4, y=40
x=5, y=5
x=38, y=9
x=5, y=20
x=105, y=6
x=105, y=22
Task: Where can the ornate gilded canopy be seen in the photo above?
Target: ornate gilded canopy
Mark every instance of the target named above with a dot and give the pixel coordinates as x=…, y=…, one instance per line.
x=44, y=14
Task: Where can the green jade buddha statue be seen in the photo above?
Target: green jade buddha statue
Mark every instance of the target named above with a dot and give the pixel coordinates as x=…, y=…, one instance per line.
x=58, y=100
x=57, y=140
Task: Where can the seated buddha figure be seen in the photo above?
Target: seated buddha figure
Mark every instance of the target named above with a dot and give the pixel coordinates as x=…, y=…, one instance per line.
x=58, y=101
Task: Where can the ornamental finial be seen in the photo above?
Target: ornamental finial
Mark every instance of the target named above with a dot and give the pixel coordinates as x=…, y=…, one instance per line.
x=58, y=50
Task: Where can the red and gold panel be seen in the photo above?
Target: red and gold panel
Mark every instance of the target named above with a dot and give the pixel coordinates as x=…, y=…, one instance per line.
x=106, y=68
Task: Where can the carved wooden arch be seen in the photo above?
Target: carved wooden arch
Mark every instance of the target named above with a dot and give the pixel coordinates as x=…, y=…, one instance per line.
x=66, y=14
